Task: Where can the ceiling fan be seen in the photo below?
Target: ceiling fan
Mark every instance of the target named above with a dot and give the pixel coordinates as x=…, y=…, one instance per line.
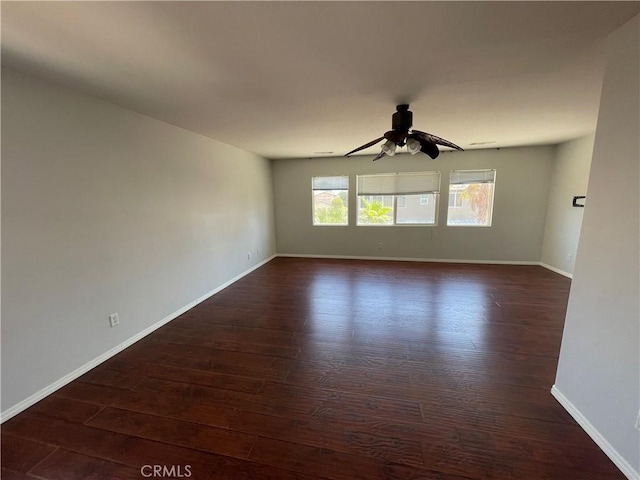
x=402, y=134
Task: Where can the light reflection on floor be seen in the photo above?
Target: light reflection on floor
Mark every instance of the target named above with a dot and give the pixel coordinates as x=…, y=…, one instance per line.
x=345, y=307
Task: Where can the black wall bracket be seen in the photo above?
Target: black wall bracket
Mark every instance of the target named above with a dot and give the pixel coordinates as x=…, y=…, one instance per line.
x=575, y=201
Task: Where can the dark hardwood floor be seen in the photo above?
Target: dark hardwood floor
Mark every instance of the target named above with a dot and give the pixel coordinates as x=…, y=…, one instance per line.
x=327, y=369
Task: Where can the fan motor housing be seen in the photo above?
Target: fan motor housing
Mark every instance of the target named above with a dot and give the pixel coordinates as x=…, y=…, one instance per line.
x=402, y=120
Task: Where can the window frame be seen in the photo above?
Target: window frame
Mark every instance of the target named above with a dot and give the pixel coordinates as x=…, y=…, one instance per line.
x=478, y=174
x=420, y=194
x=313, y=200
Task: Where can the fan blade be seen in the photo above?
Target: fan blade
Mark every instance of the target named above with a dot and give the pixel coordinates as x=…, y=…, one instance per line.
x=435, y=139
x=366, y=145
x=395, y=136
x=379, y=156
x=429, y=148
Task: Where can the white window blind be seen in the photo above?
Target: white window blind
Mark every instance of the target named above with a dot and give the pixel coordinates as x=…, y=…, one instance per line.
x=399, y=183
x=459, y=177
x=330, y=183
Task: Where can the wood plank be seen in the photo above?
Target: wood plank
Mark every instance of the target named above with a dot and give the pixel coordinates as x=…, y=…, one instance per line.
x=335, y=465
x=343, y=405
x=21, y=455
x=502, y=466
x=236, y=469
x=115, y=447
x=316, y=432
x=7, y=474
x=174, y=432
x=165, y=371
x=68, y=465
x=61, y=408
x=283, y=351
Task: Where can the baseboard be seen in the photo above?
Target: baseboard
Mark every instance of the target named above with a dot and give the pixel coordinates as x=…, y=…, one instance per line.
x=409, y=259
x=596, y=436
x=36, y=397
x=556, y=270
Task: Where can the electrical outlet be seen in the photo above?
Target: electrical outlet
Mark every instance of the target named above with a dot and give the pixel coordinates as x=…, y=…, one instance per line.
x=569, y=257
x=380, y=245
x=637, y=425
x=114, y=320
x=249, y=256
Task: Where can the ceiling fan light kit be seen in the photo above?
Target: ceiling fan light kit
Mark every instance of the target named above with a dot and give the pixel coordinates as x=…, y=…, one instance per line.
x=389, y=148
x=413, y=146
x=402, y=134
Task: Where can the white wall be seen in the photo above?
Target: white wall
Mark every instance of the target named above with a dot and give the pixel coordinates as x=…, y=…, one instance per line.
x=598, y=376
x=521, y=191
x=105, y=210
x=569, y=177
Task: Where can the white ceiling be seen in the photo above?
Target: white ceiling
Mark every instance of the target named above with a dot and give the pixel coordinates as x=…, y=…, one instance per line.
x=291, y=79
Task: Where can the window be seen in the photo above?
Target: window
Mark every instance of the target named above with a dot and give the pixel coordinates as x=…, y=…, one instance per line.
x=471, y=198
x=330, y=200
x=398, y=198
